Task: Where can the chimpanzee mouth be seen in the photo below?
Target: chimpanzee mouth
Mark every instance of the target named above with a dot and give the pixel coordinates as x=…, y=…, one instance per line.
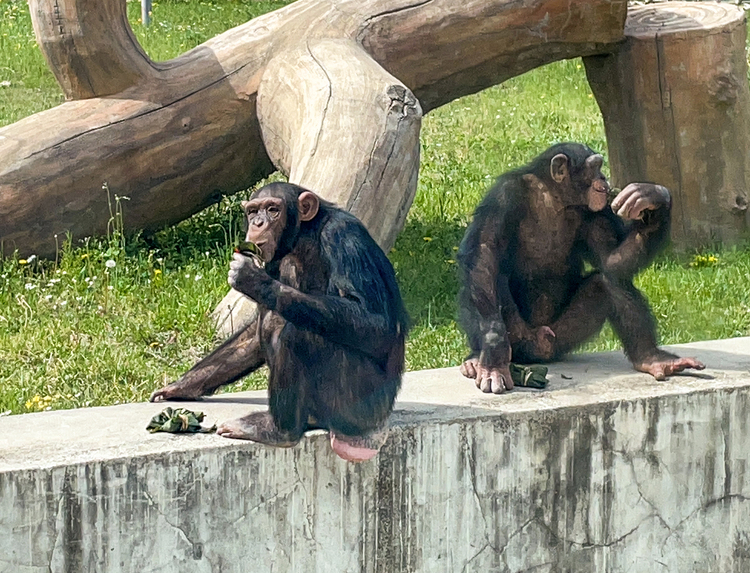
x=600, y=187
x=250, y=249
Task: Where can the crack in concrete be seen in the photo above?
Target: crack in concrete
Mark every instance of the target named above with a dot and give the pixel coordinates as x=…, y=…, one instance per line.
x=584, y=545
x=473, y=479
x=654, y=510
x=308, y=514
x=196, y=548
x=710, y=503
x=473, y=557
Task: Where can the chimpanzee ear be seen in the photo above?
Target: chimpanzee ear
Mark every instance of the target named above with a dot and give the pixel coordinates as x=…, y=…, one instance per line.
x=594, y=162
x=558, y=167
x=307, y=205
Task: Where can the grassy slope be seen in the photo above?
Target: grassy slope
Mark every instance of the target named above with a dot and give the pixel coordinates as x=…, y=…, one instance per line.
x=76, y=332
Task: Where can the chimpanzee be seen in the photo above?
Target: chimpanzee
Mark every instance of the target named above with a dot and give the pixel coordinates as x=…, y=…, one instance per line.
x=526, y=292
x=331, y=327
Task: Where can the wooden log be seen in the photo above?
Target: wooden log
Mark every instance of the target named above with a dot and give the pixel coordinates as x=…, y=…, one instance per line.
x=176, y=136
x=89, y=46
x=676, y=109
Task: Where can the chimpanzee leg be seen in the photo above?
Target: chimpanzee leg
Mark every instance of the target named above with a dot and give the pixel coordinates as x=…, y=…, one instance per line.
x=353, y=399
x=632, y=319
x=584, y=317
x=635, y=325
x=311, y=379
x=238, y=356
x=290, y=356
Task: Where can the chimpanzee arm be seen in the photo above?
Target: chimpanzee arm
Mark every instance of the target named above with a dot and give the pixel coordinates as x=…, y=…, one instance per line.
x=364, y=314
x=236, y=357
x=621, y=249
x=344, y=321
x=480, y=256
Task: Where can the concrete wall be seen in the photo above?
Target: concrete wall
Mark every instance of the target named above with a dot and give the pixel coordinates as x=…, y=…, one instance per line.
x=607, y=470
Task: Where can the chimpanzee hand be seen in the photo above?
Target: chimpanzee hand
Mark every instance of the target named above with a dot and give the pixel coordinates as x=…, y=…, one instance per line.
x=248, y=277
x=637, y=198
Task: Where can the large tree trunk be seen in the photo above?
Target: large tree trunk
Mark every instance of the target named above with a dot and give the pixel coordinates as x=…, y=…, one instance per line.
x=311, y=88
x=676, y=108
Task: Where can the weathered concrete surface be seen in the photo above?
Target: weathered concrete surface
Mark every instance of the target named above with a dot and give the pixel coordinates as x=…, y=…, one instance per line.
x=607, y=470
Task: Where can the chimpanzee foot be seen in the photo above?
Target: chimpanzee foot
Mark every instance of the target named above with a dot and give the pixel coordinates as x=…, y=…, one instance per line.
x=495, y=380
x=177, y=391
x=257, y=427
x=358, y=448
x=666, y=364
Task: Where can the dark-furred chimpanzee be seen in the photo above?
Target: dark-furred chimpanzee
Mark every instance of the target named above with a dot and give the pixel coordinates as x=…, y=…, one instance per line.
x=525, y=292
x=331, y=327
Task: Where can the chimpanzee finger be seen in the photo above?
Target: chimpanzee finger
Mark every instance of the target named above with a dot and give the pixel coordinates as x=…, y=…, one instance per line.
x=641, y=205
x=658, y=373
x=508, y=380
x=468, y=368
x=623, y=196
x=498, y=382
x=485, y=383
x=627, y=207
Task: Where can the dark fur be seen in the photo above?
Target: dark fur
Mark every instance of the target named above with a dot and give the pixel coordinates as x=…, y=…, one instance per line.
x=531, y=271
x=331, y=329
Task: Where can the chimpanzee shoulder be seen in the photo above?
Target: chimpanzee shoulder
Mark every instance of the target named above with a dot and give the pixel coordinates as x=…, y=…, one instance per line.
x=496, y=216
x=358, y=266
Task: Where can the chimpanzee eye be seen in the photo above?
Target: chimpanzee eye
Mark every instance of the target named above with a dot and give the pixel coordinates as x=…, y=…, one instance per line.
x=273, y=210
x=252, y=212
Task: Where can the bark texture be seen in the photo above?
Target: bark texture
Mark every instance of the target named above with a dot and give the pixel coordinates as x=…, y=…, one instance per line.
x=329, y=91
x=676, y=110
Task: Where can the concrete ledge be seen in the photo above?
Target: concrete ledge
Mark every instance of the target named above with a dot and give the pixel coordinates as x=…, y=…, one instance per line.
x=608, y=470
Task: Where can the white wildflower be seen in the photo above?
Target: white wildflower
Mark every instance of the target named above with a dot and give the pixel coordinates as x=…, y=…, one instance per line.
x=110, y=264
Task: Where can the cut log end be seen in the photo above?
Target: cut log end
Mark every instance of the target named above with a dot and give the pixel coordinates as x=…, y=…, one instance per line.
x=652, y=20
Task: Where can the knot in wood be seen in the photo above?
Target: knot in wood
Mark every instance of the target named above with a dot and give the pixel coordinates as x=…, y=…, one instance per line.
x=740, y=205
x=724, y=88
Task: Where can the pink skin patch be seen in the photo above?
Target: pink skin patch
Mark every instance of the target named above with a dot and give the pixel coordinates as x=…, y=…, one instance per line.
x=358, y=449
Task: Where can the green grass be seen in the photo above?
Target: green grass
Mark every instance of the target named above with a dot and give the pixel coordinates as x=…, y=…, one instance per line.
x=76, y=332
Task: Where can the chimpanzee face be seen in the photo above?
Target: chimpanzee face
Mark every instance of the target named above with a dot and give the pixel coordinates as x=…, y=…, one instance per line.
x=266, y=221
x=274, y=218
x=585, y=184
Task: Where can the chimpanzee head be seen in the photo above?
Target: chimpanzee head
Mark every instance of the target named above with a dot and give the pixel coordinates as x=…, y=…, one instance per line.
x=576, y=170
x=274, y=215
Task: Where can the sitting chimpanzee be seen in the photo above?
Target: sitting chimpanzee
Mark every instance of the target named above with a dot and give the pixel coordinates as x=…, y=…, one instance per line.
x=525, y=292
x=331, y=327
